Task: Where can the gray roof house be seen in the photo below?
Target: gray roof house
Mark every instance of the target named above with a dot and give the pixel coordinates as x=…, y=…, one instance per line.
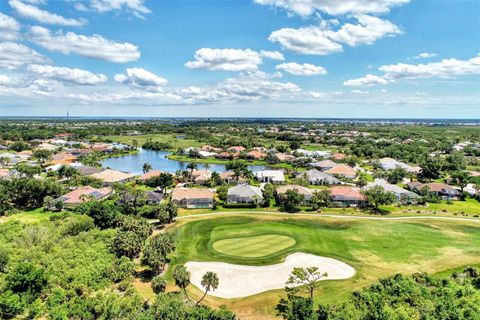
x=401, y=194
x=317, y=177
x=244, y=193
x=324, y=164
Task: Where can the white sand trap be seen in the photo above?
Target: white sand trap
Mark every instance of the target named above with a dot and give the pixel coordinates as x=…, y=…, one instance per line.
x=240, y=281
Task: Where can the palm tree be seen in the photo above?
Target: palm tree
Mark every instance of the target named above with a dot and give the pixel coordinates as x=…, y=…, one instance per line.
x=206, y=166
x=192, y=166
x=215, y=177
x=147, y=167
x=182, y=278
x=209, y=282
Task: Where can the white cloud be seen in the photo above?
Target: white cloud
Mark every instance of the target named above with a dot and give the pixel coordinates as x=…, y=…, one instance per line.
x=94, y=46
x=322, y=40
x=334, y=7
x=274, y=55
x=70, y=75
x=14, y=55
x=425, y=55
x=140, y=77
x=305, y=69
x=367, y=81
x=35, y=13
x=135, y=6
x=444, y=69
x=230, y=59
x=4, y=80
x=9, y=28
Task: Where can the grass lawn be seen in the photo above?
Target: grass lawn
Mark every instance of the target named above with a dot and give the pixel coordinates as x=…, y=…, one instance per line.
x=374, y=248
x=28, y=216
x=164, y=138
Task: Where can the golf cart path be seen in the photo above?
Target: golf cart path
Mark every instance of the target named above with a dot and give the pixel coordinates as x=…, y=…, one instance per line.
x=326, y=216
x=236, y=281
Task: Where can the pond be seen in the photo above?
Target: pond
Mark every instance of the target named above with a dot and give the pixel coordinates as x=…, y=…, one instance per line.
x=158, y=159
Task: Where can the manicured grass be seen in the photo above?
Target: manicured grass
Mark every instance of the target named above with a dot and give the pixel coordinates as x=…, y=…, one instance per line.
x=374, y=248
x=29, y=216
x=163, y=138
x=255, y=246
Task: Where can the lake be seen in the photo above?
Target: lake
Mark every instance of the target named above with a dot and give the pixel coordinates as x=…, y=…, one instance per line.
x=158, y=159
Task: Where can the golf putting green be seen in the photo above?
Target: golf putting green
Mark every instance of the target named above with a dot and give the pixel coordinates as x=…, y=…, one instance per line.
x=254, y=246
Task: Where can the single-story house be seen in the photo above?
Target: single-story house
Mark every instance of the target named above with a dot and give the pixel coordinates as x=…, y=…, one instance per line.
x=390, y=164
x=317, y=177
x=87, y=170
x=324, y=164
x=342, y=170
x=347, y=196
x=82, y=194
x=401, y=194
x=211, y=149
x=244, y=193
x=192, y=197
x=305, y=192
x=442, y=190
x=284, y=157
x=270, y=176
x=152, y=197
x=339, y=156
x=229, y=177
x=236, y=149
x=150, y=174
x=201, y=176
x=206, y=154
x=4, y=173
x=256, y=155
x=227, y=155
x=110, y=176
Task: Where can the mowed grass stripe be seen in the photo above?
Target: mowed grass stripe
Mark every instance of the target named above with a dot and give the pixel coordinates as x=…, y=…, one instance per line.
x=254, y=246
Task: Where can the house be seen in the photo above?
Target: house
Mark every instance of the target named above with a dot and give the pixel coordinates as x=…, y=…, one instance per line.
x=192, y=197
x=150, y=174
x=305, y=192
x=4, y=173
x=390, y=164
x=236, y=149
x=442, y=190
x=229, y=177
x=324, y=164
x=87, y=170
x=317, y=177
x=256, y=155
x=339, y=156
x=206, y=154
x=284, y=157
x=401, y=194
x=227, y=155
x=151, y=197
x=110, y=176
x=270, y=176
x=342, y=170
x=244, y=193
x=211, y=149
x=201, y=176
x=347, y=196
x=83, y=194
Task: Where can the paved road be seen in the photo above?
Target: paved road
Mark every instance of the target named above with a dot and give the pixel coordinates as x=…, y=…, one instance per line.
x=327, y=216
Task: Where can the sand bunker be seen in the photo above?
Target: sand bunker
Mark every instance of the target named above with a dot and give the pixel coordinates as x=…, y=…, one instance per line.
x=240, y=281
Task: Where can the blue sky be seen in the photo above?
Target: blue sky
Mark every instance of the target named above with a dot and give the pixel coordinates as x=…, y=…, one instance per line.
x=252, y=58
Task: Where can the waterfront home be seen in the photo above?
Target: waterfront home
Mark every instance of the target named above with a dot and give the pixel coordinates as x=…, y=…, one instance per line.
x=283, y=157
x=87, y=170
x=83, y=194
x=317, y=177
x=211, y=149
x=270, y=176
x=200, y=176
x=206, y=154
x=110, y=176
x=229, y=178
x=401, y=194
x=313, y=154
x=227, y=155
x=305, y=192
x=342, y=170
x=256, y=155
x=347, y=196
x=244, y=193
x=442, y=190
x=192, y=197
x=236, y=149
x=151, y=174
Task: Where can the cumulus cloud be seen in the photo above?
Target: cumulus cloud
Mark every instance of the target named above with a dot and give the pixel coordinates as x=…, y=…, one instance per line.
x=14, y=55
x=333, y=7
x=230, y=59
x=9, y=28
x=367, y=81
x=444, y=69
x=140, y=77
x=94, y=46
x=4, y=80
x=425, y=55
x=135, y=6
x=69, y=75
x=32, y=12
x=322, y=40
x=297, y=69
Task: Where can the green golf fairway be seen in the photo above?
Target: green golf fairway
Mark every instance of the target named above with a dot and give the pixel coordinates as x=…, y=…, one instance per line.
x=255, y=246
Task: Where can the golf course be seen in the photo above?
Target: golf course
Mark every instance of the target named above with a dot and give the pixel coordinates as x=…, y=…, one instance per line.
x=373, y=248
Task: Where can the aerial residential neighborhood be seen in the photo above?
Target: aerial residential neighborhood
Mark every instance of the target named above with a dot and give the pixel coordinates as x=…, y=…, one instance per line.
x=239, y=160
